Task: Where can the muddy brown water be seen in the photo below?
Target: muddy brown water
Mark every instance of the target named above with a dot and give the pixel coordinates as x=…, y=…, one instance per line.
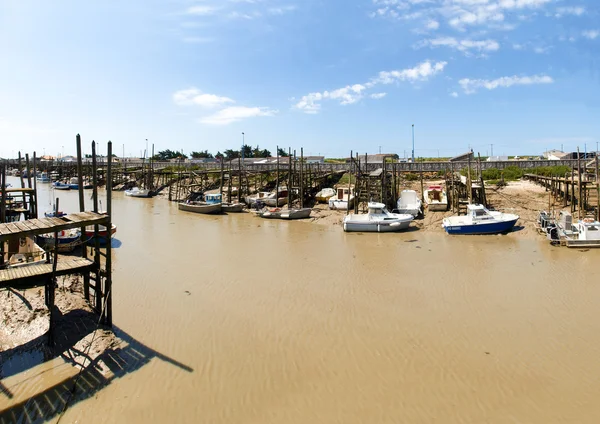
x=291, y=322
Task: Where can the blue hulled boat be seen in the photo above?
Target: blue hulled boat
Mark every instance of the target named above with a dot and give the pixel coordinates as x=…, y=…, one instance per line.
x=479, y=220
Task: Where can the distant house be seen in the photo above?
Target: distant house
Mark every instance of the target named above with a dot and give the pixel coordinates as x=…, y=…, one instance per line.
x=201, y=160
x=554, y=154
x=497, y=159
x=462, y=158
x=314, y=159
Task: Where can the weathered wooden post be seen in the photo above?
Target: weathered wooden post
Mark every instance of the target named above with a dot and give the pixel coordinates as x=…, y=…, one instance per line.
x=349, y=183
x=597, y=191
x=221, y=182
x=239, y=191
x=86, y=276
x=289, y=184
x=580, y=200
x=301, y=177
x=277, y=180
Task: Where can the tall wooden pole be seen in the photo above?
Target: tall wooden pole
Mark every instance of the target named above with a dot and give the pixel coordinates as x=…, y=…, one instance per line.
x=580, y=200
x=108, y=284
x=86, y=276
x=301, y=177
x=597, y=191
x=34, y=200
x=277, y=181
x=221, y=182
x=469, y=182
x=349, y=183
x=289, y=184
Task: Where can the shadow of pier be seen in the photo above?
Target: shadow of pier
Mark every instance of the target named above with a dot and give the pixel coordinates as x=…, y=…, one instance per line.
x=128, y=356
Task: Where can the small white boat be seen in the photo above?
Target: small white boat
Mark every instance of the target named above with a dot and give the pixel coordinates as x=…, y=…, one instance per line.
x=200, y=207
x=479, y=220
x=137, y=192
x=377, y=220
x=43, y=177
x=28, y=253
x=250, y=200
x=286, y=213
x=409, y=203
x=343, y=199
x=324, y=195
x=232, y=207
x=436, y=199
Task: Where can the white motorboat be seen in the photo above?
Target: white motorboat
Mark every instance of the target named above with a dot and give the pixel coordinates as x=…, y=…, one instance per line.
x=268, y=198
x=343, y=199
x=137, y=192
x=436, y=199
x=479, y=220
x=377, y=220
x=409, y=203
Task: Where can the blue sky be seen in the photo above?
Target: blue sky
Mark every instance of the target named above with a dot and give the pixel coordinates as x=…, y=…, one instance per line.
x=327, y=75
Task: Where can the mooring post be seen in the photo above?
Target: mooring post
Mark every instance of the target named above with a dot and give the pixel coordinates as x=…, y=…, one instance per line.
x=52, y=282
x=597, y=191
x=349, y=184
x=422, y=188
x=108, y=284
x=301, y=177
x=34, y=200
x=580, y=200
x=289, y=184
x=86, y=276
x=221, y=182
x=277, y=181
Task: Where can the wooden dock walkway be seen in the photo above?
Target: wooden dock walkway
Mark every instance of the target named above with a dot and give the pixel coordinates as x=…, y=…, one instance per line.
x=41, y=272
x=33, y=227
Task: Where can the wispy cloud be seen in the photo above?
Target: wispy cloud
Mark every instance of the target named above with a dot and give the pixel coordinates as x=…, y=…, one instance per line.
x=311, y=103
x=225, y=114
x=471, y=86
x=201, y=10
x=569, y=10
x=459, y=14
x=378, y=96
x=236, y=113
x=465, y=46
x=591, y=34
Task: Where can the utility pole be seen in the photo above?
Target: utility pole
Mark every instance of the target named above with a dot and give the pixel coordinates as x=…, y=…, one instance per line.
x=379, y=149
x=492, y=150
x=413, y=141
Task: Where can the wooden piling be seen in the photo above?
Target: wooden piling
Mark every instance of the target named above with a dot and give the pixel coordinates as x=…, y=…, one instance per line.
x=572, y=190
x=239, y=191
x=86, y=276
x=34, y=200
x=580, y=203
x=108, y=283
x=301, y=177
x=289, y=183
x=277, y=180
x=221, y=181
x=597, y=191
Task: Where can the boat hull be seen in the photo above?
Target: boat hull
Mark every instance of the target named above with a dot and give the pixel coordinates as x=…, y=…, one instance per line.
x=66, y=243
x=390, y=226
x=287, y=214
x=437, y=207
x=282, y=201
x=232, y=207
x=340, y=204
x=410, y=211
x=481, y=228
x=203, y=209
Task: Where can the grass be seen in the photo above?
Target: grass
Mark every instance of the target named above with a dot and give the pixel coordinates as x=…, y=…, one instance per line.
x=514, y=173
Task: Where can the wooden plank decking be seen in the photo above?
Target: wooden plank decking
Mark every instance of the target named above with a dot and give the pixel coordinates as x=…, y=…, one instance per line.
x=34, y=227
x=20, y=274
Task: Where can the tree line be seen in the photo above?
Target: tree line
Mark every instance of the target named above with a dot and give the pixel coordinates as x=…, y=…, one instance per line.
x=248, y=152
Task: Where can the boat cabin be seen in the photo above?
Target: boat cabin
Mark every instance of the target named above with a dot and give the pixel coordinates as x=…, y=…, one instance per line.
x=213, y=198
x=342, y=193
x=434, y=193
x=376, y=208
x=478, y=212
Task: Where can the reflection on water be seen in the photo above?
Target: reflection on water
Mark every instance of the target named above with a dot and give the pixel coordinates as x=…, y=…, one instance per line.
x=294, y=322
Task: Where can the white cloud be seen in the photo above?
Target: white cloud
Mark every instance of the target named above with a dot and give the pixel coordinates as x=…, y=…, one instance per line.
x=454, y=94
x=461, y=45
x=433, y=25
x=569, y=10
x=194, y=97
x=378, y=96
x=591, y=34
x=471, y=86
x=459, y=14
x=201, y=10
x=311, y=103
x=236, y=113
x=281, y=10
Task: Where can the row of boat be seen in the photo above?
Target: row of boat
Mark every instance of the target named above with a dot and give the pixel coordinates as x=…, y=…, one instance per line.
x=434, y=196
x=478, y=220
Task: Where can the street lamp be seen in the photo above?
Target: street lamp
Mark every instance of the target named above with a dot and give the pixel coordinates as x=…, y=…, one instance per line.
x=243, y=144
x=413, y=140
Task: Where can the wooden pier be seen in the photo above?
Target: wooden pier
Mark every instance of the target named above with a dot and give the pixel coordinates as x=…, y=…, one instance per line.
x=94, y=264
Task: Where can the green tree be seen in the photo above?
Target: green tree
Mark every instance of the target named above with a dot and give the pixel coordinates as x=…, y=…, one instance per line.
x=168, y=155
x=201, y=155
x=219, y=156
x=282, y=152
x=231, y=154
